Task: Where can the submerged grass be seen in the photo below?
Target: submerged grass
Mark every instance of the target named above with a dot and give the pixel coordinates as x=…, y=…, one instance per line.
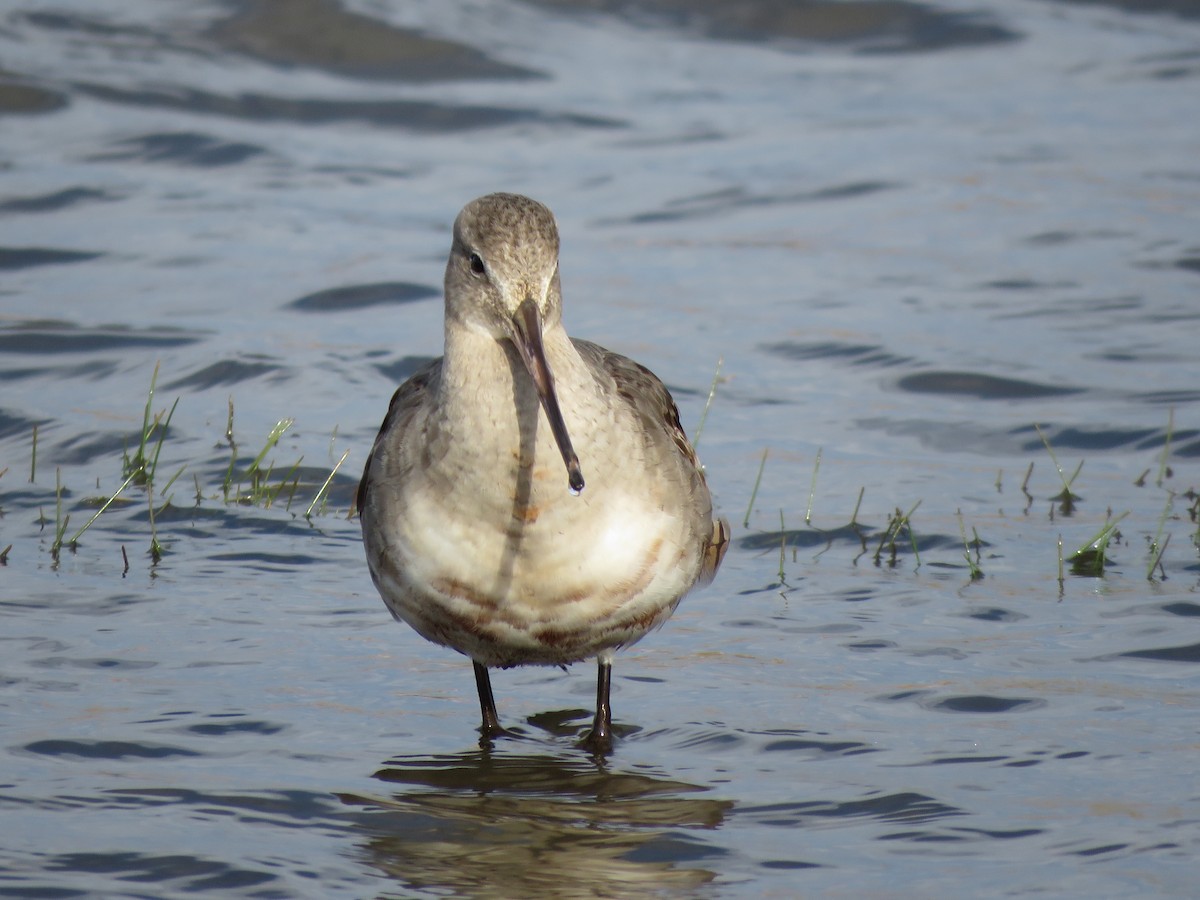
x=139, y=468
x=141, y=464
x=321, y=495
x=1066, y=499
x=1164, y=470
x=812, y=488
x=60, y=521
x=1093, y=558
x=258, y=484
x=1158, y=546
x=712, y=392
x=972, y=564
x=754, y=493
x=898, y=522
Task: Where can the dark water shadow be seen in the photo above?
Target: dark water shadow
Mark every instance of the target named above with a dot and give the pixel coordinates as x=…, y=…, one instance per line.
x=323, y=34
x=185, y=148
x=414, y=115
x=867, y=355
x=362, y=296
x=1189, y=653
x=200, y=869
x=13, y=258
x=867, y=26
x=17, y=98
x=230, y=372
x=490, y=824
x=980, y=386
x=904, y=808
x=55, y=337
x=982, y=704
x=1187, y=9
x=723, y=202
x=56, y=200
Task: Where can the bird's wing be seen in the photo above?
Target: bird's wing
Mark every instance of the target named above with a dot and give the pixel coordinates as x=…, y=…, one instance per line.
x=649, y=398
x=409, y=398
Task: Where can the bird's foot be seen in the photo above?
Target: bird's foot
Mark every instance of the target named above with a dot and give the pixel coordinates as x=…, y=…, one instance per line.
x=598, y=742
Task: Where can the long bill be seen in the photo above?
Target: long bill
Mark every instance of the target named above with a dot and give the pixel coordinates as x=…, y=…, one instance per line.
x=528, y=321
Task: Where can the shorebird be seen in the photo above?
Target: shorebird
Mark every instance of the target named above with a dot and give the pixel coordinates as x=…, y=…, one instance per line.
x=474, y=534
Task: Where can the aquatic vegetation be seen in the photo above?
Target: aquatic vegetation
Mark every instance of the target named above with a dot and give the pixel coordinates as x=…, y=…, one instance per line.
x=322, y=496
x=60, y=521
x=255, y=485
x=1091, y=558
x=897, y=523
x=1066, y=499
x=972, y=564
x=897, y=537
x=712, y=392
x=762, y=464
x=141, y=465
x=231, y=480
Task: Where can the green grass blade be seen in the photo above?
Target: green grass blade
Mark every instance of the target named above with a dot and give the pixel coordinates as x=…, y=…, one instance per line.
x=325, y=486
x=762, y=463
x=812, y=488
x=1166, y=450
x=107, y=503
x=272, y=439
x=712, y=392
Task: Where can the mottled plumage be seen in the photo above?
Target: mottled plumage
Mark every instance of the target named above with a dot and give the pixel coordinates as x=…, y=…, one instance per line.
x=483, y=529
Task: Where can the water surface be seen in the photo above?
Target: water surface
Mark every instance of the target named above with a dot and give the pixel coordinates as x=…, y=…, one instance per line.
x=914, y=233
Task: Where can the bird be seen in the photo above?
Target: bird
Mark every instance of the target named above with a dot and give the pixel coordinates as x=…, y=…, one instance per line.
x=480, y=530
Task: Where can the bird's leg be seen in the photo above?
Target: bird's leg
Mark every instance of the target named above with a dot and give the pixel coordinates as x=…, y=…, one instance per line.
x=487, y=704
x=599, y=740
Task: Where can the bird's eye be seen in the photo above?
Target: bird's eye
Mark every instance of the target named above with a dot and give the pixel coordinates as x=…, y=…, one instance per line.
x=477, y=265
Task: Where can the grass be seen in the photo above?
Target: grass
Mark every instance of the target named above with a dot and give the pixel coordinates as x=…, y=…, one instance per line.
x=762, y=464
x=812, y=488
x=259, y=492
x=898, y=522
x=259, y=483
x=712, y=392
x=1092, y=557
x=972, y=564
x=140, y=460
x=1066, y=499
x=60, y=521
x=1158, y=546
x=141, y=465
x=1164, y=471
x=321, y=493
x=897, y=536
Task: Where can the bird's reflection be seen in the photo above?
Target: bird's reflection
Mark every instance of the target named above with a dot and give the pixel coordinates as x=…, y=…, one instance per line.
x=508, y=822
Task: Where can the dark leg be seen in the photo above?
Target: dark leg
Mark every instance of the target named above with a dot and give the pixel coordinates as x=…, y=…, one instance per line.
x=599, y=739
x=487, y=703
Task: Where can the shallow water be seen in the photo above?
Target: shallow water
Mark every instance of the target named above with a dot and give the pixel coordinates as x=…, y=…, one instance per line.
x=912, y=232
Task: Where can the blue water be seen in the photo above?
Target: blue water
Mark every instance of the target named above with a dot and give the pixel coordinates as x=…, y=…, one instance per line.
x=912, y=234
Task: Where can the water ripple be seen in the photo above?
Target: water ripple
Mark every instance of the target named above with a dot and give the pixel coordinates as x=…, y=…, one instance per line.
x=414, y=115
x=984, y=387
x=46, y=336
x=109, y=750
x=186, y=148
x=56, y=201
x=13, y=258
x=362, y=296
